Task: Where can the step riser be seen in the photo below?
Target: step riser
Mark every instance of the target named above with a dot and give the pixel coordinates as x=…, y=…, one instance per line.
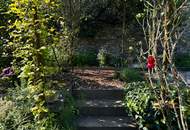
x=110, y=111
x=105, y=113
x=106, y=128
x=99, y=94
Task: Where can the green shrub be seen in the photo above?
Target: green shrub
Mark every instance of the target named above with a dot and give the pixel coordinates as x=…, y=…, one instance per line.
x=5, y=107
x=107, y=59
x=130, y=75
x=94, y=59
x=141, y=103
x=55, y=56
x=85, y=59
x=116, y=61
x=102, y=57
x=15, y=113
x=19, y=116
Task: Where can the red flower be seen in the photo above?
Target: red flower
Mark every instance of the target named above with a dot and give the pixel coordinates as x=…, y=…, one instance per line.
x=150, y=62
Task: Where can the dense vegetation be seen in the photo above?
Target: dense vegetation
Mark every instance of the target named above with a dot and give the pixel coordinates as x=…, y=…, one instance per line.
x=38, y=39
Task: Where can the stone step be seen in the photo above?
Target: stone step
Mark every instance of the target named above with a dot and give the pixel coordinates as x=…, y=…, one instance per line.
x=106, y=123
x=104, y=107
x=90, y=94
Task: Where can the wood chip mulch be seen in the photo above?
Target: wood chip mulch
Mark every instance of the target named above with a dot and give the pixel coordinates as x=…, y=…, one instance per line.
x=92, y=78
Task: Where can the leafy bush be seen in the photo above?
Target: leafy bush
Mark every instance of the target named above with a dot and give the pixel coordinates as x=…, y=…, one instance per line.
x=102, y=57
x=141, y=102
x=116, y=61
x=108, y=59
x=94, y=59
x=19, y=116
x=5, y=107
x=55, y=56
x=130, y=75
x=15, y=113
x=85, y=59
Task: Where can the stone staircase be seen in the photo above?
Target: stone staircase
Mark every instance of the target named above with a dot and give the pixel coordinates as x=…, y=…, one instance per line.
x=102, y=110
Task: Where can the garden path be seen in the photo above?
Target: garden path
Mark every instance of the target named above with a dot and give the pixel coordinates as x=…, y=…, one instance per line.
x=95, y=78
x=99, y=97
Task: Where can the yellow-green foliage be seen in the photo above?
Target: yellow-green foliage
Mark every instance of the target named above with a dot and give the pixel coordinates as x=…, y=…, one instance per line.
x=38, y=26
x=5, y=107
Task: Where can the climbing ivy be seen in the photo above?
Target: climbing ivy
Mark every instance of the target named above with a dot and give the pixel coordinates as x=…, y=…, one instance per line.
x=38, y=26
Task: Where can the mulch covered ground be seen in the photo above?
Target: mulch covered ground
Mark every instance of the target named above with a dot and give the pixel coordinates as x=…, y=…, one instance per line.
x=92, y=78
x=87, y=78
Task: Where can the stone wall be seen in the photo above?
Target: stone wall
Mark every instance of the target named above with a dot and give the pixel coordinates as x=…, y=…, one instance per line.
x=109, y=38
x=184, y=44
